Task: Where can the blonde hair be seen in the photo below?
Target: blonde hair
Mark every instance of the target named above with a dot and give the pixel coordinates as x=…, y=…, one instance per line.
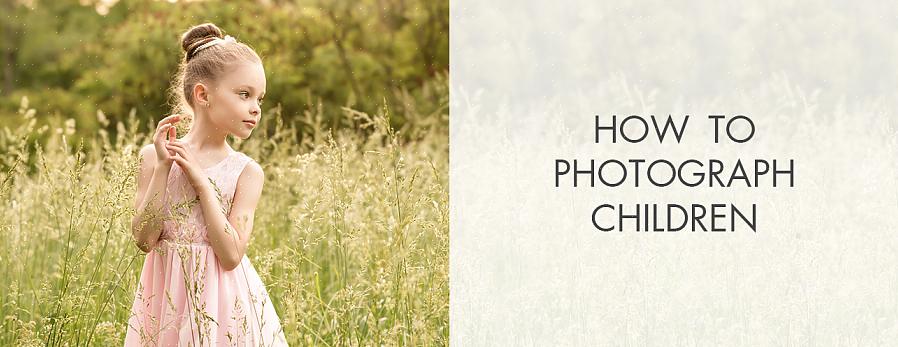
x=205, y=65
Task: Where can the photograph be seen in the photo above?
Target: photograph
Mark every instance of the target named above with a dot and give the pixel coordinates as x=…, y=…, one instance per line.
x=224, y=173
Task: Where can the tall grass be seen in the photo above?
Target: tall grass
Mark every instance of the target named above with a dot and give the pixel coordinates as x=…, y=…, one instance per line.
x=350, y=235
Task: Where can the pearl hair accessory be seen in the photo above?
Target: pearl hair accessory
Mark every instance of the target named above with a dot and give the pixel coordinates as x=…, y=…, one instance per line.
x=215, y=41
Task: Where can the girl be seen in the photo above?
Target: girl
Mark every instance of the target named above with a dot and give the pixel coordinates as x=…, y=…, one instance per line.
x=195, y=202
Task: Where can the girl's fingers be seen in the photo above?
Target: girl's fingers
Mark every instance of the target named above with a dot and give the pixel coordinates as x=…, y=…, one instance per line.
x=177, y=150
x=182, y=153
x=165, y=123
x=159, y=131
x=176, y=145
x=168, y=120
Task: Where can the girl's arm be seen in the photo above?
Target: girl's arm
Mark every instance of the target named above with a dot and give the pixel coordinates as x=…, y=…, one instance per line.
x=229, y=235
x=155, y=163
x=146, y=226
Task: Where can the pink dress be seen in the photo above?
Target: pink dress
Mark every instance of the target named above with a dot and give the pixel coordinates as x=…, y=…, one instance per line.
x=185, y=297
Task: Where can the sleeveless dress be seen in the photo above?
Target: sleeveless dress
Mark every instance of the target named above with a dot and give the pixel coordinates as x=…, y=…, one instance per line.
x=185, y=297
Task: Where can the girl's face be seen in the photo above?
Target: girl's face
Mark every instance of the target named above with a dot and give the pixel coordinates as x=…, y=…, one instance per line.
x=236, y=99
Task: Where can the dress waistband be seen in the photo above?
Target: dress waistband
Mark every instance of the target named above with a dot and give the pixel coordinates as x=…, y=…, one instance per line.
x=191, y=243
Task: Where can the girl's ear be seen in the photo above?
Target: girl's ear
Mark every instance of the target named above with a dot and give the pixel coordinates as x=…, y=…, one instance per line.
x=200, y=94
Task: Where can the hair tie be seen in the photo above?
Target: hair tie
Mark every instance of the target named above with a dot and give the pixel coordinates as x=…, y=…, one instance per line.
x=213, y=42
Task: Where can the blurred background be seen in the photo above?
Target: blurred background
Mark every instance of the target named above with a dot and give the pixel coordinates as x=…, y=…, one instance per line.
x=73, y=59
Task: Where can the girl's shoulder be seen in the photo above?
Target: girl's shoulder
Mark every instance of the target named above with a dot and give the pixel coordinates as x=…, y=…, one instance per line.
x=242, y=158
x=147, y=155
x=148, y=149
x=239, y=163
x=249, y=167
x=249, y=162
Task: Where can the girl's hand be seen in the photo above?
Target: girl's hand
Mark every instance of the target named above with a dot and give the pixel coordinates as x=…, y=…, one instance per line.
x=165, y=133
x=182, y=155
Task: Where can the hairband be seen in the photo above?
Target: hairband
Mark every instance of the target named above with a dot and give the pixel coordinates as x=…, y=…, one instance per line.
x=213, y=42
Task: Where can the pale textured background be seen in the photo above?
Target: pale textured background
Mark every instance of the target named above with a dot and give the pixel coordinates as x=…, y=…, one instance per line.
x=819, y=80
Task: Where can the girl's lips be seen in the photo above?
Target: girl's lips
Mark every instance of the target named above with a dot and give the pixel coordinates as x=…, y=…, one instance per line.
x=250, y=122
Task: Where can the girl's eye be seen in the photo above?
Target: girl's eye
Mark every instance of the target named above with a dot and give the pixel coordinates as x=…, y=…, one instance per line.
x=246, y=95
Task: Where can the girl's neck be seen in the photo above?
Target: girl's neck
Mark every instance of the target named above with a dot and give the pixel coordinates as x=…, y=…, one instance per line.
x=204, y=136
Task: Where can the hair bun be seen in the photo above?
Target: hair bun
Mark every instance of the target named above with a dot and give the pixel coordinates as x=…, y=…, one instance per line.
x=198, y=35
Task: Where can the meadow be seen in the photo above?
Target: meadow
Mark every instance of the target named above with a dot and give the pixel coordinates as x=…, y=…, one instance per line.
x=351, y=235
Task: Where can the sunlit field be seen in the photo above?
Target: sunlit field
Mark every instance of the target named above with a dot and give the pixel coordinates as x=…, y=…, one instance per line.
x=350, y=237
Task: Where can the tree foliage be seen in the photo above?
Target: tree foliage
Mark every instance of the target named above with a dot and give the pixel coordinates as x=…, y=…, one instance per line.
x=73, y=58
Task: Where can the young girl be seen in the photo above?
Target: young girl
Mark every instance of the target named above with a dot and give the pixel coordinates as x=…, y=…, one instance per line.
x=195, y=202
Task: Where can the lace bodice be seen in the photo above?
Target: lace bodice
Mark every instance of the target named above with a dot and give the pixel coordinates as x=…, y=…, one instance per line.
x=185, y=222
